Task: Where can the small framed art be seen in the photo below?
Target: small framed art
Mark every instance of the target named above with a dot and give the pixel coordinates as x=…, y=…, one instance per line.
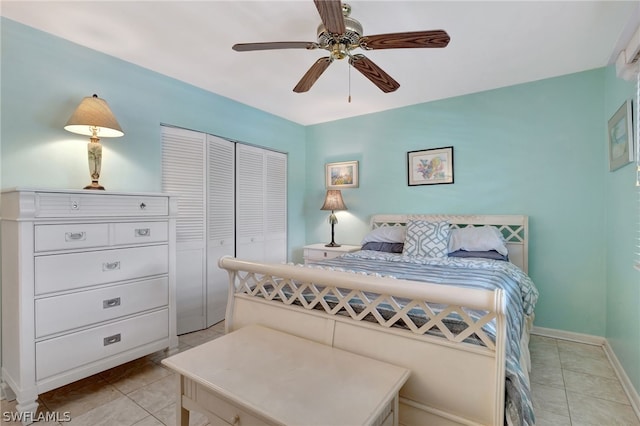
x=620, y=131
x=430, y=166
x=341, y=175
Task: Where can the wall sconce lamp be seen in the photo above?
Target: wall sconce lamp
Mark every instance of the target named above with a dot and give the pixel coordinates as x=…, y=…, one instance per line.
x=93, y=117
x=333, y=201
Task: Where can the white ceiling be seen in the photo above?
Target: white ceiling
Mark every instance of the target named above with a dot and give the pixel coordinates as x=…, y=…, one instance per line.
x=493, y=44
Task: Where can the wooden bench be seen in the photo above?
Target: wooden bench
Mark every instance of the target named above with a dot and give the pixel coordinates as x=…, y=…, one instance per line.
x=260, y=376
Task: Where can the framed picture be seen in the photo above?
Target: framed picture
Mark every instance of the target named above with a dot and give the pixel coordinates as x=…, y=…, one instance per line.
x=430, y=166
x=621, y=137
x=341, y=175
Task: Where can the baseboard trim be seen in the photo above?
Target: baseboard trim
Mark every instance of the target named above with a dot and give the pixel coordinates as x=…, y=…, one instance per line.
x=632, y=394
x=629, y=389
x=569, y=335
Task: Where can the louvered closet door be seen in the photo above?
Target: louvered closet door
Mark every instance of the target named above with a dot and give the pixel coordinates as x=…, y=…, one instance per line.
x=250, y=238
x=221, y=223
x=275, y=207
x=183, y=174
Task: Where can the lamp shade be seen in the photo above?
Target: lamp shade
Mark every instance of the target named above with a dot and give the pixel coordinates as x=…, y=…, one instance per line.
x=94, y=112
x=333, y=201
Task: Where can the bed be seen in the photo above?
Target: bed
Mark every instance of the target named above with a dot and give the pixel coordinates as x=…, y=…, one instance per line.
x=460, y=324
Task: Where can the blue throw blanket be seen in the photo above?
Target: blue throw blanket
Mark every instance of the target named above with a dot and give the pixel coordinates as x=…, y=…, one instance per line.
x=521, y=295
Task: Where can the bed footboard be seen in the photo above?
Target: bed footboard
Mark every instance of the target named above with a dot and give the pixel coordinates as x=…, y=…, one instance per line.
x=457, y=366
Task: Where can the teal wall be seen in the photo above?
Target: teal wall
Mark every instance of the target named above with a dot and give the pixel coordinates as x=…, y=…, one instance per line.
x=622, y=239
x=537, y=149
x=532, y=149
x=43, y=80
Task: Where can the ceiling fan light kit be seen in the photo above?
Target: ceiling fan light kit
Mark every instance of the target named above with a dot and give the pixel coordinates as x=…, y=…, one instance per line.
x=339, y=34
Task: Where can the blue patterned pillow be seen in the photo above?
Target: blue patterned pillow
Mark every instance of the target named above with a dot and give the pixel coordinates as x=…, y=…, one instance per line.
x=426, y=239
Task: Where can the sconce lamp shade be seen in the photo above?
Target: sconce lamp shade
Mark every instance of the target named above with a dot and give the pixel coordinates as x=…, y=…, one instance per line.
x=94, y=118
x=333, y=201
x=94, y=112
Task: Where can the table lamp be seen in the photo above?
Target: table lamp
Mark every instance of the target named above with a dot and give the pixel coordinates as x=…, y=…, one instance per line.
x=93, y=117
x=333, y=201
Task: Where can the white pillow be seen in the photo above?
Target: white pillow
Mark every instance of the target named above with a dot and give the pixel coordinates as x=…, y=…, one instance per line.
x=477, y=238
x=386, y=234
x=426, y=239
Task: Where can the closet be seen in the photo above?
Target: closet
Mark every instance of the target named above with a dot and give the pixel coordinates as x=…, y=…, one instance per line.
x=232, y=200
x=261, y=204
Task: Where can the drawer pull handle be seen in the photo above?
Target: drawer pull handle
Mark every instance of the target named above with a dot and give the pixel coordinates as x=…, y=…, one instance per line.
x=111, y=303
x=235, y=420
x=143, y=232
x=111, y=266
x=75, y=236
x=142, y=206
x=111, y=340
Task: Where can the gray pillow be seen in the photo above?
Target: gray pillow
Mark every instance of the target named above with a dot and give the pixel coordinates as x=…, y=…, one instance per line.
x=386, y=247
x=490, y=254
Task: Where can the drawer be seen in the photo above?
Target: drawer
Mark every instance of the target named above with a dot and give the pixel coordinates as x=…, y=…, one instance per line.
x=51, y=204
x=60, y=313
x=76, y=270
x=71, y=236
x=227, y=412
x=140, y=232
x=316, y=254
x=73, y=350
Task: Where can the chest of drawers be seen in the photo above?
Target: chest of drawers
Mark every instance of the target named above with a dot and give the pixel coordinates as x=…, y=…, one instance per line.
x=88, y=283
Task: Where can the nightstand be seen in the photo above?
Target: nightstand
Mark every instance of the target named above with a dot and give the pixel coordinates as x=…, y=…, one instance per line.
x=317, y=252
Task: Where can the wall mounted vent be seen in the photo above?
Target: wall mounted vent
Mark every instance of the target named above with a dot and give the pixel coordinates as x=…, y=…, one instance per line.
x=628, y=61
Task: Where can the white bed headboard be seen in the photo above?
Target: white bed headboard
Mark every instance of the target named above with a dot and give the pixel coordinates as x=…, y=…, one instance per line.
x=514, y=228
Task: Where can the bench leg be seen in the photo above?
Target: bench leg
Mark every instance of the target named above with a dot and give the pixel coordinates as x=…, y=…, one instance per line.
x=182, y=414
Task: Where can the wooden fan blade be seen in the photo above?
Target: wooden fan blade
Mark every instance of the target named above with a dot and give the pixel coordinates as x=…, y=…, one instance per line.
x=374, y=73
x=433, y=38
x=331, y=14
x=312, y=75
x=245, y=47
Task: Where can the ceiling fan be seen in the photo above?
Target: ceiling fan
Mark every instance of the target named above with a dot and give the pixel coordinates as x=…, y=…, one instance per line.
x=340, y=35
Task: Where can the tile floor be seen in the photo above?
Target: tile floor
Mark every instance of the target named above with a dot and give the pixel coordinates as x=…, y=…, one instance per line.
x=572, y=384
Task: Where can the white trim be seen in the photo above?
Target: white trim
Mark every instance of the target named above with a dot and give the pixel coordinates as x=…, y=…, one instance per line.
x=5, y=392
x=627, y=386
x=569, y=335
x=629, y=389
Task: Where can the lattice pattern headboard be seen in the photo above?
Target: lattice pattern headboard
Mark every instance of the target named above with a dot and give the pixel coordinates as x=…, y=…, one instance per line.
x=514, y=228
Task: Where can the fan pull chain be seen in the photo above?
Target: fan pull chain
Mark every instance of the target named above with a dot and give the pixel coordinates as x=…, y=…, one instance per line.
x=349, y=66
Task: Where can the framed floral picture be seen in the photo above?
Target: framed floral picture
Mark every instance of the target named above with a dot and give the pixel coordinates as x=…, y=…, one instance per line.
x=430, y=166
x=341, y=175
x=620, y=132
